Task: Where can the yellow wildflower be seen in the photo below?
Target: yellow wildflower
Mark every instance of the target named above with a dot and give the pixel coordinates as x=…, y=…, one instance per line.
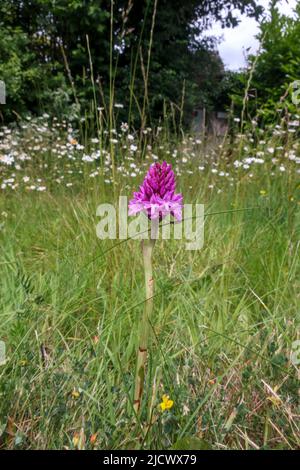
x=262, y=192
x=75, y=394
x=79, y=440
x=166, y=403
x=76, y=439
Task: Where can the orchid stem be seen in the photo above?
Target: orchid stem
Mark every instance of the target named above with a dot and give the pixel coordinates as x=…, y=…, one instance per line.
x=147, y=249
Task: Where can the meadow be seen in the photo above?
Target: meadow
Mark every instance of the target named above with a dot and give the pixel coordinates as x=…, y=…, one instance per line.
x=226, y=317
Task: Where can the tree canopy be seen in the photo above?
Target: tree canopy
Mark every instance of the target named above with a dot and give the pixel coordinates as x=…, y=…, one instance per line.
x=150, y=52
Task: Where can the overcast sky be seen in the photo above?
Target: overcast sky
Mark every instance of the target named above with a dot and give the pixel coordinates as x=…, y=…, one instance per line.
x=236, y=40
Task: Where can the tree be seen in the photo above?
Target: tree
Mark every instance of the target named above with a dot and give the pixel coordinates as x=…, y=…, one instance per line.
x=158, y=45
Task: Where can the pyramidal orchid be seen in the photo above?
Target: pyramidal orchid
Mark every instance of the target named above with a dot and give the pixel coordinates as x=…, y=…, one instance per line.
x=157, y=199
x=156, y=196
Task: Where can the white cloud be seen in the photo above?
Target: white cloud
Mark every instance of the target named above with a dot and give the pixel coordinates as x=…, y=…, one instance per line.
x=237, y=40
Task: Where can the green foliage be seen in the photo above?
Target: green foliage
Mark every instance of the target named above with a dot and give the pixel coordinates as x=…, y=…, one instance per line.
x=16, y=67
x=278, y=63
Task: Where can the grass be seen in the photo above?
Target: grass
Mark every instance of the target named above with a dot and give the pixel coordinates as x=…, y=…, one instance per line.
x=225, y=317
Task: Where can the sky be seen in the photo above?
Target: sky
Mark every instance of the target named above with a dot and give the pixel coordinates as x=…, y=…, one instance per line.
x=236, y=40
